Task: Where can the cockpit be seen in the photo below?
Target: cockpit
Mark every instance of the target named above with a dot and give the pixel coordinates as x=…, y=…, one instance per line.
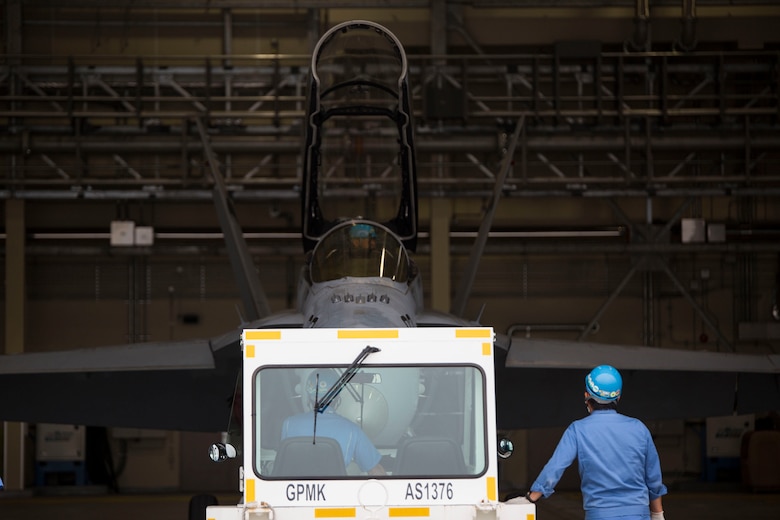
x=359, y=249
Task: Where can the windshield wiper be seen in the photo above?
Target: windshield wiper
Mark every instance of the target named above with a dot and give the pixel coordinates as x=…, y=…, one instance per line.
x=321, y=405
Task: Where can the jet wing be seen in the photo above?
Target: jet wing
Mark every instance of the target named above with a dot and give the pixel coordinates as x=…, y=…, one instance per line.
x=548, y=353
x=540, y=383
x=138, y=356
x=187, y=385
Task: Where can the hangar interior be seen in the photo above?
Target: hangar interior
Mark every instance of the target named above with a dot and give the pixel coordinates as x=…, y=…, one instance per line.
x=640, y=206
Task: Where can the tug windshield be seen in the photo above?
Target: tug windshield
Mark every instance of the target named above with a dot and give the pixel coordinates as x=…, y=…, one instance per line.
x=359, y=249
x=417, y=420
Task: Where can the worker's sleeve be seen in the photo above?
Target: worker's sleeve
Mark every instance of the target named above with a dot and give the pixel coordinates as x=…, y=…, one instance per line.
x=653, y=476
x=562, y=457
x=285, y=427
x=366, y=455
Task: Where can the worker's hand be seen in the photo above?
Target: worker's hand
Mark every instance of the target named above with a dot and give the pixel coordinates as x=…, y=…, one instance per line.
x=657, y=516
x=518, y=500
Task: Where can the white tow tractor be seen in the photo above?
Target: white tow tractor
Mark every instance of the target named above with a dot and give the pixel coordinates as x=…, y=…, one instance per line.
x=424, y=397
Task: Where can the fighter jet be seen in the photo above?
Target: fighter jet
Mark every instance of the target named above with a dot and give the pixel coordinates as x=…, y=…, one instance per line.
x=359, y=272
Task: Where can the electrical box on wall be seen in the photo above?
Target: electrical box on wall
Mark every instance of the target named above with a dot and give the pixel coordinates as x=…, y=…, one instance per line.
x=144, y=236
x=716, y=232
x=122, y=232
x=693, y=230
x=126, y=233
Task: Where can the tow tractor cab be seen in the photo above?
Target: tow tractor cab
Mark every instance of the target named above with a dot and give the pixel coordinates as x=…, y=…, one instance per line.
x=423, y=396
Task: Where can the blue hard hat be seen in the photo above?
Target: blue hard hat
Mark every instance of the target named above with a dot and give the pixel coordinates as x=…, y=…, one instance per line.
x=362, y=230
x=604, y=384
x=320, y=381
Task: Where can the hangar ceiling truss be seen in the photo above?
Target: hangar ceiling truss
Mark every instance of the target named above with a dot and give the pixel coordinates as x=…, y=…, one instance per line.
x=596, y=124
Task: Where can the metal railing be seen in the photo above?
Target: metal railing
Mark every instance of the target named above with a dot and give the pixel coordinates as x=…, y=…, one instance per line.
x=599, y=124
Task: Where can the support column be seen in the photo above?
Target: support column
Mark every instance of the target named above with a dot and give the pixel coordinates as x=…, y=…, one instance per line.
x=15, y=299
x=441, y=207
x=441, y=215
x=439, y=27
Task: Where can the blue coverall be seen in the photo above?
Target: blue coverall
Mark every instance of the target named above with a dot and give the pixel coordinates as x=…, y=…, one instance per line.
x=619, y=468
x=354, y=443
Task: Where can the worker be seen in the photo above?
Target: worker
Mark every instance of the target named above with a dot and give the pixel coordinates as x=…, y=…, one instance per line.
x=355, y=444
x=362, y=237
x=620, y=472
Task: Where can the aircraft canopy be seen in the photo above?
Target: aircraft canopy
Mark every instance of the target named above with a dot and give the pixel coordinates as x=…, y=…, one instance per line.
x=359, y=249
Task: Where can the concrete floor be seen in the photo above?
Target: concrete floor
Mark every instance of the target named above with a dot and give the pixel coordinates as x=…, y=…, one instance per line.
x=684, y=505
x=714, y=504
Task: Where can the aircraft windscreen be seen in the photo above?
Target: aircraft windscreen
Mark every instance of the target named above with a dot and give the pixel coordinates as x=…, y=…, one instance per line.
x=423, y=420
x=359, y=249
x=359, y=71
